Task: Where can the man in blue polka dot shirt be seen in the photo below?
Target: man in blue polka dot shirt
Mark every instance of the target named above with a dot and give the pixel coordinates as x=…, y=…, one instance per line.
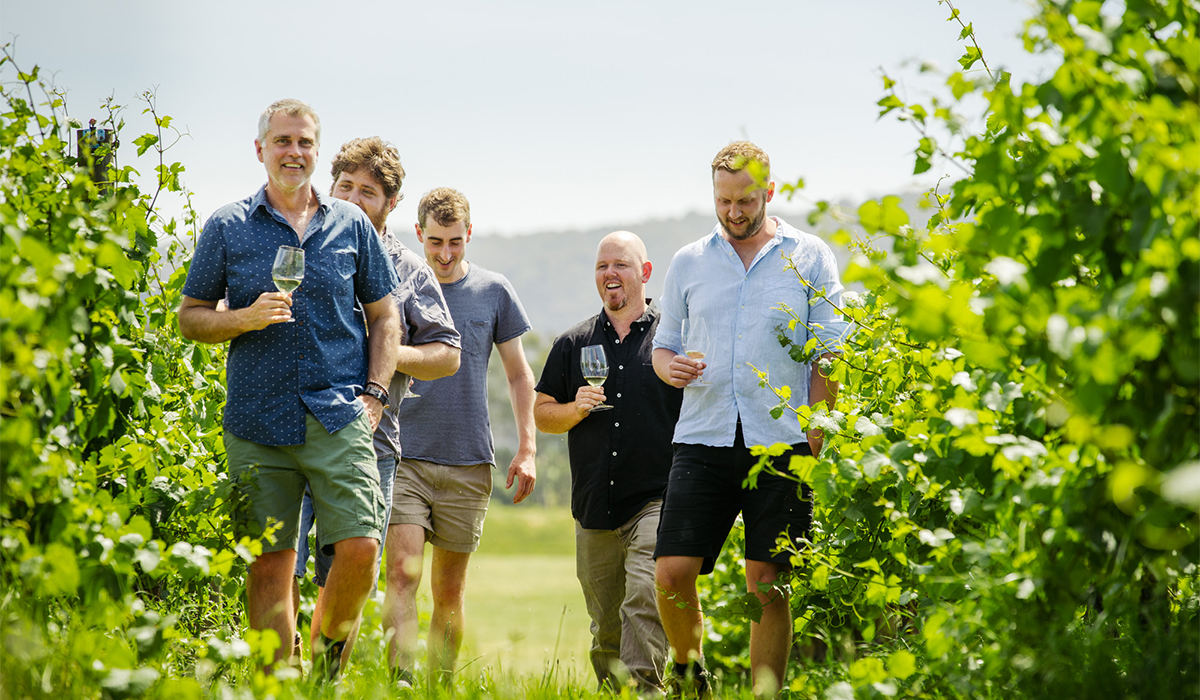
x=307, y=383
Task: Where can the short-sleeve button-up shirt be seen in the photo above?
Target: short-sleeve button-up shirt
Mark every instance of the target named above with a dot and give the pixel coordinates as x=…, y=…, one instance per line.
x=319, y=362
x=620, y=459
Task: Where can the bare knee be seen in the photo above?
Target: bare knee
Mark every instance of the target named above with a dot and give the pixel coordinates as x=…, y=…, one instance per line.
x=273, y=565
x=447, y=592
x=403, y=571
x=357, y=553
x=676, y=574
x=762, y=580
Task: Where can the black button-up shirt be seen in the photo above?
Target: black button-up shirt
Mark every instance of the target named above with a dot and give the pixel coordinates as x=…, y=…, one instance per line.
x=620, y=458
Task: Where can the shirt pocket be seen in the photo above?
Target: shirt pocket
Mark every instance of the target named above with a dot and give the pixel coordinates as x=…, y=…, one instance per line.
x=778, y=293
x=781, y=296
x=345, y=264
x=477, y=337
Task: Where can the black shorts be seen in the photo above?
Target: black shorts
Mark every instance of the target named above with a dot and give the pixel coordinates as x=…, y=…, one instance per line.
x=704, y=496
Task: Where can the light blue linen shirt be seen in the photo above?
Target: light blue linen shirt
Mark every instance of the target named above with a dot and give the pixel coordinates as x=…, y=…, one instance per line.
x=743, y=311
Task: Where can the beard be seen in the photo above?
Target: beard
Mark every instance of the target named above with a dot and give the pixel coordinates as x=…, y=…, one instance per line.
x=616, y=303
x=378, y=218
x=755, y=225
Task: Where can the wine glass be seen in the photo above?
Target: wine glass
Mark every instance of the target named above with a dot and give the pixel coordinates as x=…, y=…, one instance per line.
x=595, y=369
x=695, y=344
x=288, y=270
x=408, y=392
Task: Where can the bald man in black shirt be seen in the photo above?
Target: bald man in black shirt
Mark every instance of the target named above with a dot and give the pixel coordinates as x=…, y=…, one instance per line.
x=620, y=459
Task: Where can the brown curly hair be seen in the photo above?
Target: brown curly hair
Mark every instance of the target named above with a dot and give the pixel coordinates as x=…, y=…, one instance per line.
x=447, y=207
x=380, y=158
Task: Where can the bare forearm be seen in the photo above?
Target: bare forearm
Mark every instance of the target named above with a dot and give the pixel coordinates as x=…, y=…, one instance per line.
x=520, y=392
x=821, y=388
x=662, y=363
x=383, y=345
x=207, y=325
x=554, y=417
x=427, y=362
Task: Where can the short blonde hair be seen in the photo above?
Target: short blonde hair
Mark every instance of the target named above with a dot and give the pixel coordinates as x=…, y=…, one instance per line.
x=290, y=108
x=447, y=206
x=380, y=159
x=740, y=154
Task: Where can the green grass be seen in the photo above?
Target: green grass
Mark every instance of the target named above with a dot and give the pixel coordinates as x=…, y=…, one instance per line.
x=525, y=609
x=526, y=530
x=525, y=612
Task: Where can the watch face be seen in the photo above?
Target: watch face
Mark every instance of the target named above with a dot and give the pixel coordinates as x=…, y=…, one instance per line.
x=376, y=392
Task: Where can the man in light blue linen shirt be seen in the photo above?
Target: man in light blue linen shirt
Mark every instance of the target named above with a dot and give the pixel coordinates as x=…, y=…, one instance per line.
x=738, y=285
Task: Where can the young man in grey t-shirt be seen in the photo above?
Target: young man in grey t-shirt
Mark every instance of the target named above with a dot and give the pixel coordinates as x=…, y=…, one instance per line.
x=444, y=478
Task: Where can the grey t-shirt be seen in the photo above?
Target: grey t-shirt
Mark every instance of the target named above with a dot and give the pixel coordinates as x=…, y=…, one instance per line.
x=449, y=423
x=426, y=319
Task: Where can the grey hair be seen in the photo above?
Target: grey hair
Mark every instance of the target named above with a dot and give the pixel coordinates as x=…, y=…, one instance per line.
x=291, y=108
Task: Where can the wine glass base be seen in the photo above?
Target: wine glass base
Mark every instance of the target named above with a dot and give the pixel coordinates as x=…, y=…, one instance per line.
x=698, y=382
x=599, y=407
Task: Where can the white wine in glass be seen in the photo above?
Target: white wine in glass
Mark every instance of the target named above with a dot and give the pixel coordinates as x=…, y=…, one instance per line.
x=695, y=344
x=288, y=271
x=595, y=370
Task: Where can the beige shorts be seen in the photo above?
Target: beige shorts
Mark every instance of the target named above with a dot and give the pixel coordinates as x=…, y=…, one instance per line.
x=449, y=502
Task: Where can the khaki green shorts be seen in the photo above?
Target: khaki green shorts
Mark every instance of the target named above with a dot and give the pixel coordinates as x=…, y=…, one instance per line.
x=449, y=502
x=338, y=467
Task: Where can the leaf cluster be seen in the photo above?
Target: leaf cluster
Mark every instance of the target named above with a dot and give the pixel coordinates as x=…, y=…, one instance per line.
x=1007, y=503
x=116, y=559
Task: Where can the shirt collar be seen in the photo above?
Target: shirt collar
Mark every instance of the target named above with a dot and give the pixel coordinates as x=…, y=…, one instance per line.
x=719, y=240
x=643, y=322
x=260, y=199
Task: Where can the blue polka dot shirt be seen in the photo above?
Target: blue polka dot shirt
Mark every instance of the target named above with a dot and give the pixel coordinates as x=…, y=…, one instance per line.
x=318, y=363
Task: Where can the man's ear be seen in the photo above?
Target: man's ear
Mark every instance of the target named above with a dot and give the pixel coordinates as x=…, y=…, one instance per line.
x=770, y=190
x=646, y=268
x=258, y=150
x=395, y=199
x=468, y=238
x=419, y=238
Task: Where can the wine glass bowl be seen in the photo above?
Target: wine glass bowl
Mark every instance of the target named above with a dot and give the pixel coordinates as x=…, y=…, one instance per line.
x=594, y=363
x=695, y=344
x=288, y=270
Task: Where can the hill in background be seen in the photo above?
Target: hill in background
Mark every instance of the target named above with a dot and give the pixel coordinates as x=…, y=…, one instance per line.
x=552, y=271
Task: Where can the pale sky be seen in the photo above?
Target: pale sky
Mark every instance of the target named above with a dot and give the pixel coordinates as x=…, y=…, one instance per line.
x=547, y=115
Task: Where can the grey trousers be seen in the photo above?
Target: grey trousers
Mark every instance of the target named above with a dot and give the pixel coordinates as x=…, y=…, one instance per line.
x=616, y=570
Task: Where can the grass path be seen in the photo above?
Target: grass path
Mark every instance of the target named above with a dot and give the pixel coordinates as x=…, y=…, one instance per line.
x=523, y=599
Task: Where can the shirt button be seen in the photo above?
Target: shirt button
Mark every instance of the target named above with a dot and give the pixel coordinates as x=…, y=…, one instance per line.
x=611, y=483
x=739, y=336
x=620, y=366
x=618, y=396
x=614, y=454
x=616, y=425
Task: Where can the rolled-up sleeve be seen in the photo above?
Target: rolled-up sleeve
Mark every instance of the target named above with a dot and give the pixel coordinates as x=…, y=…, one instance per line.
x=672, y=309
x=825, y=315
x=426, y=314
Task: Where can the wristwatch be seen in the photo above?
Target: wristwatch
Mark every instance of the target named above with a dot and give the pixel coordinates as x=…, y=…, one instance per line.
x=373, y=389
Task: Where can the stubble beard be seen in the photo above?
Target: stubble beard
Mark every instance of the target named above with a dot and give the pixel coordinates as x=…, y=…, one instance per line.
x=756, y=225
